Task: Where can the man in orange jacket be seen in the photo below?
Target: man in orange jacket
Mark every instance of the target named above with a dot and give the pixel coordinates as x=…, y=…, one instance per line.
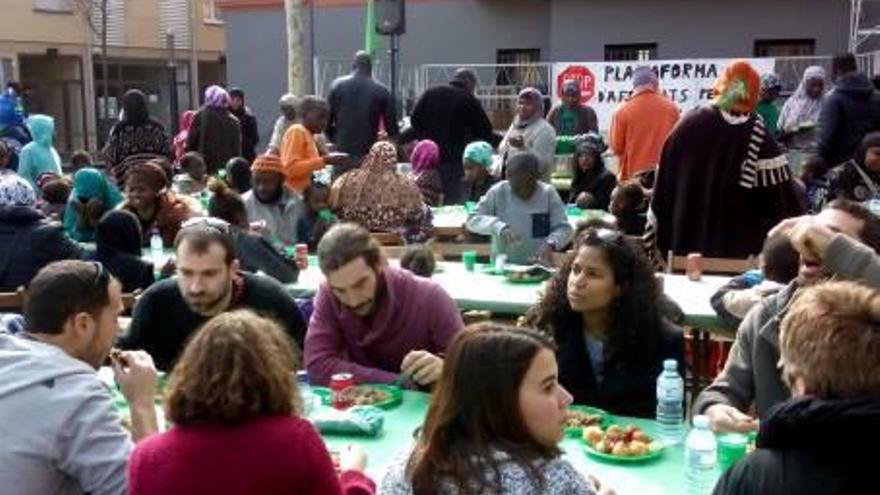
x=299, y=152
x=640, y=126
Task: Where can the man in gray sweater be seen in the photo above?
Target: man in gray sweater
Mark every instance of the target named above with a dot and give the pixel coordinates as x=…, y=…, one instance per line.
x=841, y=242
x=60, y=431
x=525, y=216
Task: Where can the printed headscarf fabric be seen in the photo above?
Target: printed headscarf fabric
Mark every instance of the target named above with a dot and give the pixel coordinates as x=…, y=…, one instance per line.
x=591, y=143
x=179, y=142
x=479, y=152
x=800, y=108
x=375, y=195
x=216, y=96
x=737, y=88
x=770, y=81
x=425, y=156
x=15, y=191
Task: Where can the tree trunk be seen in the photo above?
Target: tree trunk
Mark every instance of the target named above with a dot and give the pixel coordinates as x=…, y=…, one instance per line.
x=296, y=52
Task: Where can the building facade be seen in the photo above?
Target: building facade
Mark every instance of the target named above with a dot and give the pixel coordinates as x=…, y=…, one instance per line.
x=54, y=49
x=524, y=32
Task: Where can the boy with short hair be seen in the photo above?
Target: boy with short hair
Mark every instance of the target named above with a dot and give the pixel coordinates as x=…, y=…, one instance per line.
x=299, y=151
x=194, y=178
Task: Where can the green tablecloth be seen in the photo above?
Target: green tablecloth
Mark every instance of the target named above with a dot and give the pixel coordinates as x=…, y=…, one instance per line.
x=478, y=291
x=664, y=475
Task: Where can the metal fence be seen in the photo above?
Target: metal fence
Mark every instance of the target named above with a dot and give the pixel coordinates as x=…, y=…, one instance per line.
x=499, y=83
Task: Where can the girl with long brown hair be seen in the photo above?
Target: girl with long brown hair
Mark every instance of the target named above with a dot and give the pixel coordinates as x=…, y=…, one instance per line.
x=494, y=423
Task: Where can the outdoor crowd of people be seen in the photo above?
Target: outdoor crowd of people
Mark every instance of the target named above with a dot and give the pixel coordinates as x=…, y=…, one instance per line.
x=217, y=317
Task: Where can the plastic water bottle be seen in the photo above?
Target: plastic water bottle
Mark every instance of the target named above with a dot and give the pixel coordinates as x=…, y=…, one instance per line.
x=309, y=399
x=156, y=248
x=700, y=458
x=670, y=396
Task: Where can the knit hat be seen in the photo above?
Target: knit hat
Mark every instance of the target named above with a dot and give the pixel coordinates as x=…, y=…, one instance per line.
x=524, y=163
x=571, y=87
x=479, y=152
x=267, y=163
x=770, y=81
x=643, y=76
x=15, y=191
x=736, y=89
x=590, y=143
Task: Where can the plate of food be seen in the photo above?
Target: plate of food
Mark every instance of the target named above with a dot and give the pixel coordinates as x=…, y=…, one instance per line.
x=531, y=274
x=373, y=394
x=579, y=417
x=621, y=444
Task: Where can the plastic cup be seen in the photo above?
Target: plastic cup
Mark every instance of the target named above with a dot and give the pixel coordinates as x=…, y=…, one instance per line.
x=573, y=211
x=470, y=206
x=731, y=448
x=469, y=258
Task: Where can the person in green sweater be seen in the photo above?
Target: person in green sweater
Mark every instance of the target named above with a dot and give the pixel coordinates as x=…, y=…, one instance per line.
x=767, y=109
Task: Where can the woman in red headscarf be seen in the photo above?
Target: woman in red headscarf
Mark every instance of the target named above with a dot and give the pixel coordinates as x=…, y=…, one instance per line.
x=723, y=181
x=186, y=120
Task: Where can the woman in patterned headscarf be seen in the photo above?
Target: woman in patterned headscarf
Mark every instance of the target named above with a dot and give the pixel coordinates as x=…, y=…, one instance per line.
x=376, y=196
x=215, y=132
x=136, y=138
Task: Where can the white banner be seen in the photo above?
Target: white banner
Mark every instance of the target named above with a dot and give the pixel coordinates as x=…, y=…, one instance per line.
x=605, y=85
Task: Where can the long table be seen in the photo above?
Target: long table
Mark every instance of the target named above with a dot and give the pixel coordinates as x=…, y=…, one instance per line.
x=479, y=291
x=450, y=220
x=661, y=476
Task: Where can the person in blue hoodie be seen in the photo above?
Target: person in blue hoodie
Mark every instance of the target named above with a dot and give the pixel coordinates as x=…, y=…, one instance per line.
x=91, y=197
x=849, y=111
x=39, y=156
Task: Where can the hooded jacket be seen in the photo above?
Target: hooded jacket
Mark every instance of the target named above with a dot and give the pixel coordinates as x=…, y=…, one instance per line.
x=119, y=239
x=849, y=111
x=28, y=242
x=806, y=446
x=61, y=433
x=39, y=156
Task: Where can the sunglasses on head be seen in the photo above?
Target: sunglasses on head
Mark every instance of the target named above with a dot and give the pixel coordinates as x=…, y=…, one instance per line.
x=210, y=223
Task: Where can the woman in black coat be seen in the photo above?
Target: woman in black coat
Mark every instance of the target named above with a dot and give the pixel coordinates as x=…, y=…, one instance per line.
x=592, y=183
x=28, y=240
x=603, y=309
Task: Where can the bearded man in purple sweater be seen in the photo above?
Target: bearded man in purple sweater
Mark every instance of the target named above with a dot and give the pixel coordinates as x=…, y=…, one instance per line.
x=378, y=322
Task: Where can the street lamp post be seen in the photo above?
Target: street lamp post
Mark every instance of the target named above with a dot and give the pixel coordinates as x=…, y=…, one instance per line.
x=172, y=81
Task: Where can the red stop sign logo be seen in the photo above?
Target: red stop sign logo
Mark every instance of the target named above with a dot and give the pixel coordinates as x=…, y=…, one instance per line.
x=583, y=76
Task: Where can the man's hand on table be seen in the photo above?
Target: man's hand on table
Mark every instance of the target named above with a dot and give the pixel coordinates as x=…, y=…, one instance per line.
x=725, y=418
x=136, y=375
x=808, y=237
x=422, y=367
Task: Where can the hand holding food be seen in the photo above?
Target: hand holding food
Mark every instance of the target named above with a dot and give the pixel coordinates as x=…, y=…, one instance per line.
x=136, y=375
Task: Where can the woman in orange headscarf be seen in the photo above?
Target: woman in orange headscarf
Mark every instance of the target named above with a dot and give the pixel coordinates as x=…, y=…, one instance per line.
x=723, y=181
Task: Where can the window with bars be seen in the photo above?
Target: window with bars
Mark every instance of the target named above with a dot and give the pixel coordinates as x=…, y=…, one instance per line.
x=633, y=51
x=785, y=48
x=522, y=75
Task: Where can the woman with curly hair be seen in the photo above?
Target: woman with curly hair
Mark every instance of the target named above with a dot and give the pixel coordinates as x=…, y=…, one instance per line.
x=234, y=404
x=603, y=309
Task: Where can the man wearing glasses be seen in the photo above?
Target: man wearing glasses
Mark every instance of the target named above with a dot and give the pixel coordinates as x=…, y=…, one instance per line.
x=60, y=430
x=208, y=282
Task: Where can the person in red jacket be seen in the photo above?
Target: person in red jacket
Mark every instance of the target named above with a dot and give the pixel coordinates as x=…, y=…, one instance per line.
x=235, y=409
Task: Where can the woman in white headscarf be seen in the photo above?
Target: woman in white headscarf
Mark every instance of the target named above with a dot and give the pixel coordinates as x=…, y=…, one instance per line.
x=799, y=116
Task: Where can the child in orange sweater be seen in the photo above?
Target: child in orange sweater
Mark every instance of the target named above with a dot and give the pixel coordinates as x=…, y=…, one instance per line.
x=299, y=153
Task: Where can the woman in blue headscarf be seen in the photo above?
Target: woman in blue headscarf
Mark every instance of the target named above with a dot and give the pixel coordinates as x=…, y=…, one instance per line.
x=91, y=197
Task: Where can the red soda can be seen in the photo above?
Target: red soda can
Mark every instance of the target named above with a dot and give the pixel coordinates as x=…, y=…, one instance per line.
x=340, y=385
x=694, y=266
x=301, y=255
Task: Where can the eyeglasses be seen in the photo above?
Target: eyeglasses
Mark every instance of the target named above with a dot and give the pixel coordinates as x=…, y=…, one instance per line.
x=210, y=223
